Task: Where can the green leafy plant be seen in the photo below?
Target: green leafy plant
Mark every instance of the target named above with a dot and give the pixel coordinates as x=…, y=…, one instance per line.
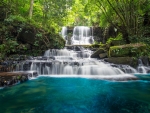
x=118, y=37
x=15, y=18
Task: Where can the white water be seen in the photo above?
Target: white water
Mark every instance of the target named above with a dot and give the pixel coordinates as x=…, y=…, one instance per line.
x=64, y=34
x=102, y=77
x=82, y=35
x=70, y=63
x=143, y=69
x=76, y=62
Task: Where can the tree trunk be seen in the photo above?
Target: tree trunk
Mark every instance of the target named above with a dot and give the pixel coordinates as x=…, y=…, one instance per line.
x=31, y=8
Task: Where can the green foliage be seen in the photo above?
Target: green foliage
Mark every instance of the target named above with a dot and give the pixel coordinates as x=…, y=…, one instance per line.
x=134, y=50
x=36, y=43
x=49, y=15
x=8, y=47
x=140, y=39
x=119, y=52
x=2, y=53
x=148, y=49
x=15, y=18
x=39, y=35
x=118, y=37
x=95, y=45
x=126, y=15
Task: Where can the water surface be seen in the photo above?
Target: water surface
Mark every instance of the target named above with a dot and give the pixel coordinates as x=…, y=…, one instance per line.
x=76, y=95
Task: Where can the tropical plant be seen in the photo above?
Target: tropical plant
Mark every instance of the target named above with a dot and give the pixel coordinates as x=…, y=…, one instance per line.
x=126, y=15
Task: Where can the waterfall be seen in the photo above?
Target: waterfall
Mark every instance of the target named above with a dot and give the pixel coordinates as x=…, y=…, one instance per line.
x=64, y=34
x=82, y=35
x=142, y=68
x=72, y=62
x=64, y=31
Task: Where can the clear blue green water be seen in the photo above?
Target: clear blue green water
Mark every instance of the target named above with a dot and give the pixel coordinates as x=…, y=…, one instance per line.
x=76, y=95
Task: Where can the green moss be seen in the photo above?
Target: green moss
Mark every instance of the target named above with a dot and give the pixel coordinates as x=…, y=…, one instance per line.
x=123, y=60
x=118, y=39
x=134, y=50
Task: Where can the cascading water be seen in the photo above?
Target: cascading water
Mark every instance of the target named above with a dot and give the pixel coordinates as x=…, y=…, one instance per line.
x=64, y=31
x=64, y=34
x=75, y=62
x=142, y=68
x=51, y=94
x=82, y=35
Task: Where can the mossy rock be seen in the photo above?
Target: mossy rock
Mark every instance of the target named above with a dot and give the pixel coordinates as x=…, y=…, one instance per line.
x=123, y=60
x=105, y=46
x=134, y=50
x=117, y=42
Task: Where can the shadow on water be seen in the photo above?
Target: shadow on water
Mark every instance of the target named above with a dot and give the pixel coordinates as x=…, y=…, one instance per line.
x=76, y=95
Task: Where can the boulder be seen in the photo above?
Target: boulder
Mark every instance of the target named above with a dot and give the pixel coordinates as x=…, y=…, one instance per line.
x=122, y=60
x=103, y=55
x=10, y=78
x=96, y=53
x=134, y=50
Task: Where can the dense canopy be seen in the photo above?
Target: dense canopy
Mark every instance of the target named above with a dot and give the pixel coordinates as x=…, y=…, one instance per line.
x=131, y=18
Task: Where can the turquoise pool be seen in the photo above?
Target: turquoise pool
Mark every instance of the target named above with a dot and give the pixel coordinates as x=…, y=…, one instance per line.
x=76, y=95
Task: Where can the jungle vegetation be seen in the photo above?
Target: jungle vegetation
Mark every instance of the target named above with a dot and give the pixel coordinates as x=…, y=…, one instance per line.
x=131, y=18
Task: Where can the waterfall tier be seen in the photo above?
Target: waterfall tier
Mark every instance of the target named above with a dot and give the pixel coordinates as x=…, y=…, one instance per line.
x=82, y=35
x=72, y=62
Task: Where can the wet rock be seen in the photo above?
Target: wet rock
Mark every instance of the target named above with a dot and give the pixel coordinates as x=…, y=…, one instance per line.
x=144, y=60
x=103, y=55
x=12, y=78
x=96, y=53
x=122, y=60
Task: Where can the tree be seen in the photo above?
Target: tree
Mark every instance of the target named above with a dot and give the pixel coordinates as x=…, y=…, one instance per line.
x=31, y=8
x=125, y=15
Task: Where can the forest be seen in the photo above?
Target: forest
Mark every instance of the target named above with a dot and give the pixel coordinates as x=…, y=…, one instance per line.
x=40, y=73
x=35, y=24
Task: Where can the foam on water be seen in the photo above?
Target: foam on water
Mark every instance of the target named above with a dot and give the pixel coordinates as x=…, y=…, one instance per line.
x=101, y=77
